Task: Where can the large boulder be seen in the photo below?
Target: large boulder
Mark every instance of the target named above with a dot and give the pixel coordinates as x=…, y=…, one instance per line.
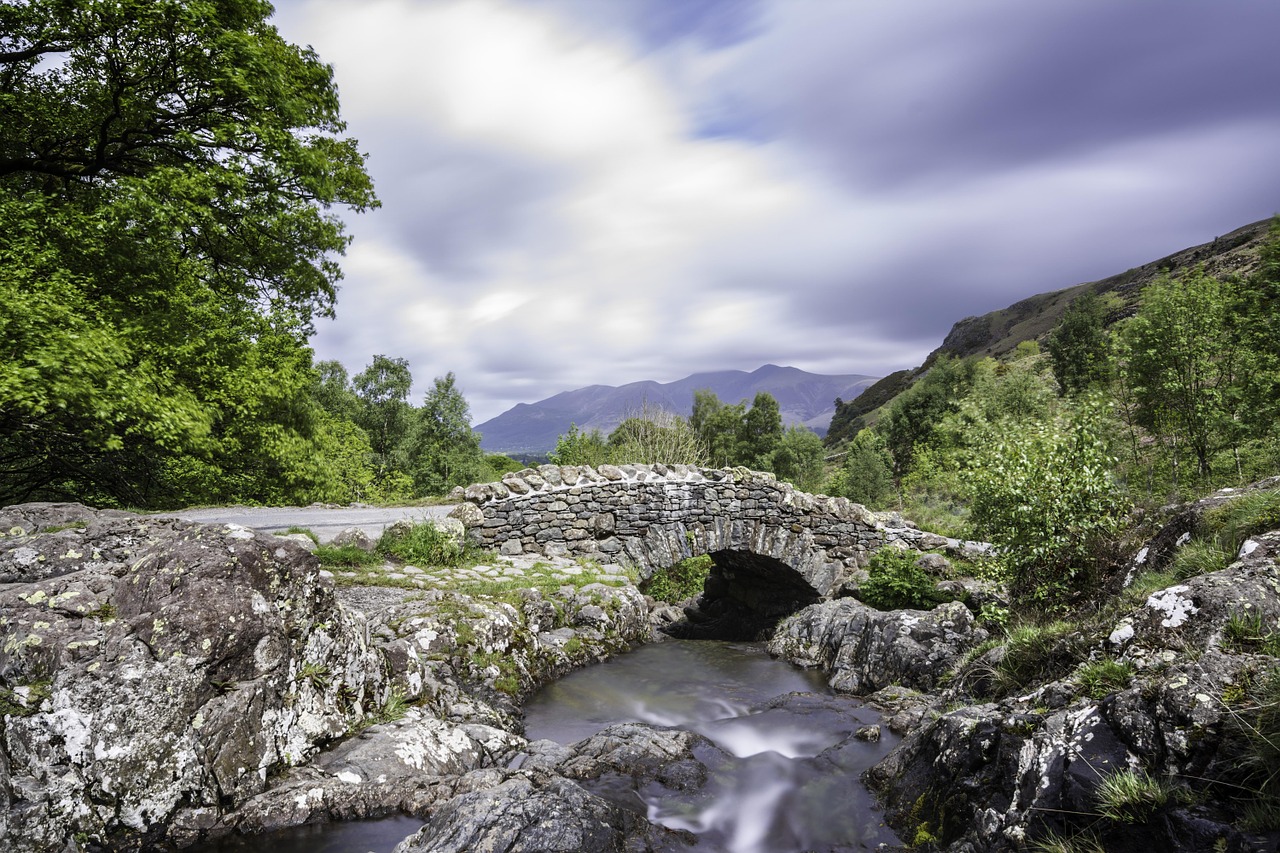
x=157, y=673
x=531, y=812
x=864, y=649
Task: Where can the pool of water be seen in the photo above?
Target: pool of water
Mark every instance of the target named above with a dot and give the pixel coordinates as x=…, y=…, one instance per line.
x=379, y=835
x=789, y=777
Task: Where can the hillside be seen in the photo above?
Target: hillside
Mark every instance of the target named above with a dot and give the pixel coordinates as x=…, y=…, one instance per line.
x=997, y=333
x=803, y=398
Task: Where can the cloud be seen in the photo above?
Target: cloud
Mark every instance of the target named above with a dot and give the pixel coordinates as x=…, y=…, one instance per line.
x=582, y=193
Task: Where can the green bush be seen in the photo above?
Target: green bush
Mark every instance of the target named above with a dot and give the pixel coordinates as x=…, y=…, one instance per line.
x=895, y=582
x=680, y=582
x=1045, y=497
x=423, y=545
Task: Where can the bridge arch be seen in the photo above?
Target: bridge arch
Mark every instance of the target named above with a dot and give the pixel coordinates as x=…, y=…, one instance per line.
x=776, y=549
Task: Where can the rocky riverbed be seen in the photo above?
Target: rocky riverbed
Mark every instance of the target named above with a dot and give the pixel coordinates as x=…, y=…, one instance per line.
x=165, y=682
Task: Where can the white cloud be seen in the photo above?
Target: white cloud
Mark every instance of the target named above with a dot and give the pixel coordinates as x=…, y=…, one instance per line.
x=568, y=204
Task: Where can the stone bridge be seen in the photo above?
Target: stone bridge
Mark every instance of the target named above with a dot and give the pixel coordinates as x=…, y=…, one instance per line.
x=775, y=549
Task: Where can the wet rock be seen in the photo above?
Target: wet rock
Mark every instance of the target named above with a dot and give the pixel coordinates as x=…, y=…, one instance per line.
x=865, y=649
x=531, y=813
x=640, y=752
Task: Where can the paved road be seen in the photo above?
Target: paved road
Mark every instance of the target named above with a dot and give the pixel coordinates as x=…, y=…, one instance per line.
x=325, y=523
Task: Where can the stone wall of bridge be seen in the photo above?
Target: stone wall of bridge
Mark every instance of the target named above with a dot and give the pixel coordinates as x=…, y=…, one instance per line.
x=772, y=543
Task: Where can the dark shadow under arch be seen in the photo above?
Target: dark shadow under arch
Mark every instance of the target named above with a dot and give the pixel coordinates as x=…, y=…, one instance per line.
x=746, y=595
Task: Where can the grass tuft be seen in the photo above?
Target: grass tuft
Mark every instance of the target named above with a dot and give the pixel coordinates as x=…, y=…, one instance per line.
x=346, y=556
x=1132, y=796
x=1099, y=679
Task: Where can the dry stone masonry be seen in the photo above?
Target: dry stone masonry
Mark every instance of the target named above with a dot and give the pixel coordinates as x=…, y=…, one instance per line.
x=776, y=549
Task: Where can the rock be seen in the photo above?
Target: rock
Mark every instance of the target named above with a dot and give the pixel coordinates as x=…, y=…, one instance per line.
x=870, y=734
x=864, y=649
x=302, y=540
x=531, y=813
x=177, y=666
x=354, y=537
x=934, y=564
x=641, y=753
x=1194, y=614
x=469, y=514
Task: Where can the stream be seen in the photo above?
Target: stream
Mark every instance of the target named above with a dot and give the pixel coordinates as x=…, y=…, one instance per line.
x=791, y=777
x=786, y=776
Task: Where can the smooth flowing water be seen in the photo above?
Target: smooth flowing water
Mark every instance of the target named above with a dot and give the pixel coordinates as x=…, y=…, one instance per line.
x=786, y=776
x=791, y=781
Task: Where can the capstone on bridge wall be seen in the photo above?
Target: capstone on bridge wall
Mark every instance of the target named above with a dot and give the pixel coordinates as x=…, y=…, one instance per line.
x=652, y=516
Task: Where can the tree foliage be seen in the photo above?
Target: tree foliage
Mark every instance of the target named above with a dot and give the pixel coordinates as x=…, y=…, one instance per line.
x=444, y=451
x=798, y=459
x=1045, y=496
x=1182, y=363
x=167, y=177
x=1079, y=346
x=735, y=434
x=865, y=476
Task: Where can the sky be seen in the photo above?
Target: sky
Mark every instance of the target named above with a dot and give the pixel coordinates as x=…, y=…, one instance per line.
x=581, y=192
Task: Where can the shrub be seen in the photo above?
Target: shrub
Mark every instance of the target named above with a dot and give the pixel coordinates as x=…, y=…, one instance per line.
x=1046, y=499
x=680, y=582
x=895, y=582
x=423, y=544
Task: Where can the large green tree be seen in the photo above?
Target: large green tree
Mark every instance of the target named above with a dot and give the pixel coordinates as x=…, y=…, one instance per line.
x=443, y=450
x=168, y=173
x=382, y=390
x=1182, y=364
x=1079, y=347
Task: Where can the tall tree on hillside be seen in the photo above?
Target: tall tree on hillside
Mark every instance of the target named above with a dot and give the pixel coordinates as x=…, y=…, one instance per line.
x=1256, y=309
x=1182, y=363
x=1079, y=347
x=914, y=414
x=167, y=170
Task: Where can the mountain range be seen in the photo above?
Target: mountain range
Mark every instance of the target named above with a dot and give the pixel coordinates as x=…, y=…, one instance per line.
x=532, y=428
